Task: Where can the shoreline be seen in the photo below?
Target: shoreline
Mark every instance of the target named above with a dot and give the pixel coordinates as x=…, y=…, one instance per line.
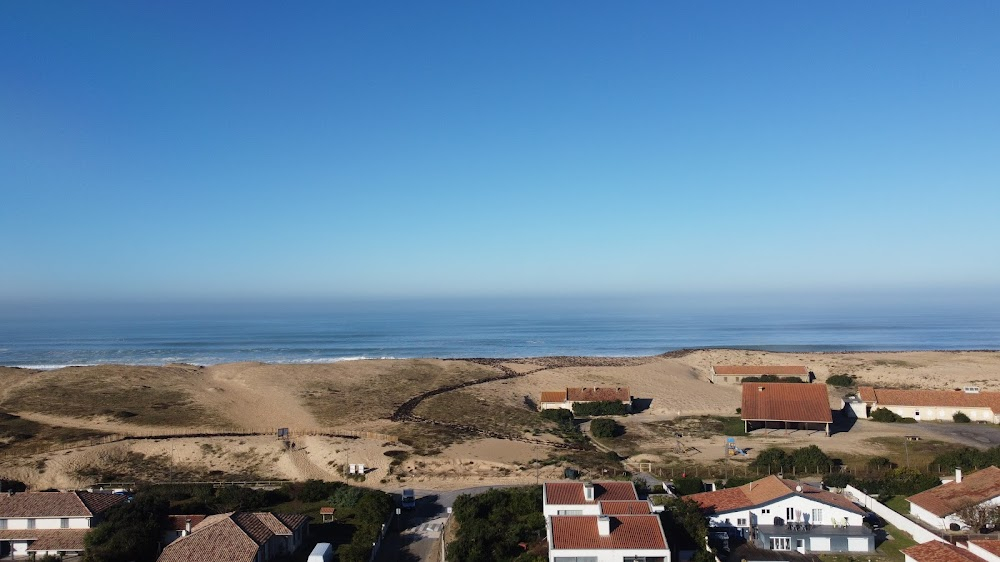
x=778, y=350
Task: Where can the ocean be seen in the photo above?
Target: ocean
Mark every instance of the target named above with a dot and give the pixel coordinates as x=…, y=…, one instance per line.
x=54, y=336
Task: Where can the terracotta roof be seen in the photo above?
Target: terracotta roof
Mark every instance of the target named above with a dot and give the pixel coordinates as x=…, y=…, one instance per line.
x=327, y=511
x=571, y=493
x=47, y=539
x=993, y=547
x=627, y=532
x=599, y=394
x=786, y=401
x=937, y=551
x=230, y=537
x=554, y=396
x=179, y=522
x=765, y=491
x=624, y=507
x=930, y=398
x=56, y=504
x=948, y=498
x=779, y=370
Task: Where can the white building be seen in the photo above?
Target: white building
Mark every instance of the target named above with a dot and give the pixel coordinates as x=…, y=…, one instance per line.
x=778, y=514
x=937, y=507
x=40, y=523
x=735, y=374
x=601, y=522
x=564, y=399
x=934, y=405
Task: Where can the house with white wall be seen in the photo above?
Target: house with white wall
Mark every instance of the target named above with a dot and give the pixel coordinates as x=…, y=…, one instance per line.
x=564, y=399
x=934, y=405
x=779, y=514
x=938, y=506
x=240, y=535
x=601, y=522
x=40, y=523
x=735, y=374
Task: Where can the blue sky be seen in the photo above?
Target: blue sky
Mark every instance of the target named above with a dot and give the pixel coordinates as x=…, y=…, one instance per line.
x=372, y=149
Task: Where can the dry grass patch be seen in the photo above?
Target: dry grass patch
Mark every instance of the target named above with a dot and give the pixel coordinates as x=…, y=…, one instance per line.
x=142, y=395
x=25, y=437
x=464, y=408
x=374, y=389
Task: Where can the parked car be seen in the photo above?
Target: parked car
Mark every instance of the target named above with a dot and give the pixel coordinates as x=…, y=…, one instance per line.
x=409, y=499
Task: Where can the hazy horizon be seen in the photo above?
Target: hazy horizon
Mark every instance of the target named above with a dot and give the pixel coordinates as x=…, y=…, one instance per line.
x=316, y=151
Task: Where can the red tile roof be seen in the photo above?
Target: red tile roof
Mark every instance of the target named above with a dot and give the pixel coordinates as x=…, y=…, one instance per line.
x=627, y=532
x=554, y=396
x=624, y=507
x=599, y=394
x=930, y=398
x=948, y=498
x=786, y=401
x=937, y=551
x=765, y=491
x=779, y=370
x=179, y=522
x=56, y=504
x=993, y=547
x=230, y=537
x=571, y=493
x=47, y=539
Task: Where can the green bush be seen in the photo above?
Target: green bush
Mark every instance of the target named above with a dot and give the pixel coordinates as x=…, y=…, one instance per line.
x=687, y=485
x=841, y=380
x=898, y=482
x=837, y=479
x=560, y=416
x=733, y=482
x=129, y=532
x=968, y=458
x=370, y=512
x=885, y=415
x=960, y=417
x=605, y=428
x=686, y=526
x=804, y=460
x=602, y=408
x=771, y=378
x=879, y=463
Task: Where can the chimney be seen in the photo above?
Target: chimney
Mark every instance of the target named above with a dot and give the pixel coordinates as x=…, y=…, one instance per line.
x=187, y=526
x=603, y=525
x=588, y=491
x=751, y=486
x=958, y=475
x=760, y=389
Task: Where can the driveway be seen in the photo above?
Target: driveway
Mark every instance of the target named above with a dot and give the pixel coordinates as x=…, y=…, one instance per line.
x=415, y=533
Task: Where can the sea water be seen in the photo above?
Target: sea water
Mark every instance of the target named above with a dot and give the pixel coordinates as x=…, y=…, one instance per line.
x=51, y=336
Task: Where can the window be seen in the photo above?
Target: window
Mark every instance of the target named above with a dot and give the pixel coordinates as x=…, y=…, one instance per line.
x=765, y=511
x=789, y=514
x=741, y=522
x=575, y=559
x=569, y=512
x=64, y=523
x=916, y=413
x=31, y=523
x=781, y=543
x=817, y=517
x=3, y=523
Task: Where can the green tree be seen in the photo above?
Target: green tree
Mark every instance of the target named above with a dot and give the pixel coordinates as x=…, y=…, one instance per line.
x=490, y=525
x=130, y=532
x=687, y=527
x=960, y=417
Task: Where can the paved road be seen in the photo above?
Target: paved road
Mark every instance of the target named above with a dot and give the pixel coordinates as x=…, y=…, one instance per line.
x=415, y=533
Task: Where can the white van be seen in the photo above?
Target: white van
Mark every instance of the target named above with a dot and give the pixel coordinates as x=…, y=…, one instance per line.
x=409, y=499
x=322, y=553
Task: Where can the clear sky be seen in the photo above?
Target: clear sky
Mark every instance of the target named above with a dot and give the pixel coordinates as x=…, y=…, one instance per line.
x=298, y=149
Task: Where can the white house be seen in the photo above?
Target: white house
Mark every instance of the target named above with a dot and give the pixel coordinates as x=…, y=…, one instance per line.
x=780, y=514
x=601, y=522
x=564, y=399
x=736, y=373
x=987, y=550
x=937, y=507
x=256, y=537
x=40, y=523
x=934, y=405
